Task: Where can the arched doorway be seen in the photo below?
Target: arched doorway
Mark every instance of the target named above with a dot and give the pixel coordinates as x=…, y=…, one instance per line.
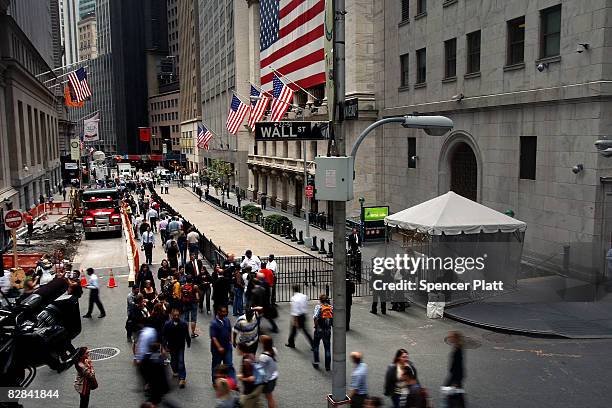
x=464, y=171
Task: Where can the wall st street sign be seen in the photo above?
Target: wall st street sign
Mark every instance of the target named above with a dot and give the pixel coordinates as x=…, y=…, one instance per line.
x=291, y=131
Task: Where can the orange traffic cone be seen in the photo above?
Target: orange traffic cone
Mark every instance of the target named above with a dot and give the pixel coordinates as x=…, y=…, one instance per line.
x=111, y=280
x=83, y=280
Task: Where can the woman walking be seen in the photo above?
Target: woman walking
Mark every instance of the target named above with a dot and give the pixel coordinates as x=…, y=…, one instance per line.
x=268, y=360
x=395, y=387
x=85, y=380
x=454, y=383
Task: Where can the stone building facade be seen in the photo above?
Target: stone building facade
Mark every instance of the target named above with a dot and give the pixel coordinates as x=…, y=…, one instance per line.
x=164, y=120
x=189, y=79
x=88, y=38
x=29, y=149
x=527, y=84
x=277, y=168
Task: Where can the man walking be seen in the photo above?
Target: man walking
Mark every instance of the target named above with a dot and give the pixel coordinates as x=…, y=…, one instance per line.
x=272, y=265
x=175, y=336
x=299, y=308
x=246, y=330
x=94, y=295
x=148, y=243
x=221, y=342
x=359, y=381
x=193, y=242
x=323, y=318
x=152, y=216
x=131, y=305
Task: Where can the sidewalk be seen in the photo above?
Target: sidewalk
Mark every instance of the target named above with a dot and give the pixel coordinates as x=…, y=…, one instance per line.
x=231, y=234
x=368, y=250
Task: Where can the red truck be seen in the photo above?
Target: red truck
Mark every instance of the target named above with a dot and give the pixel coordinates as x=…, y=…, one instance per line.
x=101, y=211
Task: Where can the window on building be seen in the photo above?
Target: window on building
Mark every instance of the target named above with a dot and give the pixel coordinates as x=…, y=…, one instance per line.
x=421, y=60
x=529, y=145
x=404, y=67
x=450, y=58
x=516, y=41
x=473, y=52
x=421, y=6
x=405, y=10
x=550, y=32
x=412, y=153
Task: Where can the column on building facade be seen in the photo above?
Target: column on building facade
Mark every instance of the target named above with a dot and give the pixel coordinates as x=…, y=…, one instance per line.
x=273, y=187
x=291, y=193
x=283, y=190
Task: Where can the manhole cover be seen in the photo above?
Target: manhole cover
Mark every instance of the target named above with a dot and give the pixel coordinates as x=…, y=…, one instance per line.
x=497, y=337
x=468, y=343
x=103, y=353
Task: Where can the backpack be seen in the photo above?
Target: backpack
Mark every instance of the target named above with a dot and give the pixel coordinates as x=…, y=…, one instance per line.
x=187, y=295
x=176, y=290
x=326, y=316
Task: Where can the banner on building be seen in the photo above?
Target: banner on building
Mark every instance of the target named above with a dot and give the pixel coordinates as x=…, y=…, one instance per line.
x=145, y=134
x=90, y=129
x=75, y=149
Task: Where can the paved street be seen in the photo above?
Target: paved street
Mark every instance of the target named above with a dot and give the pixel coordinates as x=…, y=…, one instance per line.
x=542, y=372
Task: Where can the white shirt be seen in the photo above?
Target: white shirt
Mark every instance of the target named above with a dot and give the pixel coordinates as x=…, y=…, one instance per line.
x=272, y=266
x=299, y=304
x=93, y=282
x=151, y=214
x=148, y=237
x=253, y=262
x=193, y=237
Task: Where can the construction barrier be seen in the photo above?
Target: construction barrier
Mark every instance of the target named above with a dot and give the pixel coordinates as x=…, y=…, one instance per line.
x=133, y=250
x=26, y=261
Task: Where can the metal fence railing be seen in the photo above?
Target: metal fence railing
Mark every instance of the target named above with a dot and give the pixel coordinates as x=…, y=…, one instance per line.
x=314, y=275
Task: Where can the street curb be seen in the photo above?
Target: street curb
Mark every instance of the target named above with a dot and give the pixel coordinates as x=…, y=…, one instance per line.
x=255, y=227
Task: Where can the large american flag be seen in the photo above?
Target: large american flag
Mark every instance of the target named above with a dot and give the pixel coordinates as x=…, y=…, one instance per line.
x=259, y=104
x=204, y=136
x=78, y=82
x=292, y=41
x=236, y=114
x=283, y=96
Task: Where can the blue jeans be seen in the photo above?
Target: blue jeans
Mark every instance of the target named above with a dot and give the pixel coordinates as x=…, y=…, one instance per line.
x=177, y=363
x=194, y=250
x=325, y=335
x=238, y=309
x=225, y=358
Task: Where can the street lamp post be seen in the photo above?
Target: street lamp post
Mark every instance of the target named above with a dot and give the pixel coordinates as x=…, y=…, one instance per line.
x=361, y=221
x=334, y=186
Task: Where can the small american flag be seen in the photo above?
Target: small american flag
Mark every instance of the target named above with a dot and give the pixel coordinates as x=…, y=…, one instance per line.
x=260, y=103
x=236, y=114
x=283, y=96
x=204, y=136
x=78, y=82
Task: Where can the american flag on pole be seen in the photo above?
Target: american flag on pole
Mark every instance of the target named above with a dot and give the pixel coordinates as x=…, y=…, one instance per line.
x=283, y=96
x=204, y=136
x=292, y=41
x=236, y=114
x=259, y=104
x=78, y=82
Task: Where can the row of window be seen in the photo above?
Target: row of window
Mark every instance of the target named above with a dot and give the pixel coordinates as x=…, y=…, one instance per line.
x=527, y=159
x=169, y=103
x=173, y=129
x=164, y=117
x=550, y=46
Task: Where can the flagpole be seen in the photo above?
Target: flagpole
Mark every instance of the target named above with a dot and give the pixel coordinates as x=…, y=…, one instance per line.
x=62, y=67
x=89, y=114
x=63, y=75
x=307, y=93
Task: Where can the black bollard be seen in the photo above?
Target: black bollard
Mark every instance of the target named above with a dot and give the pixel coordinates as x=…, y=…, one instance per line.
x=288, y=231
x=322, y=247
x=293, y=237
x=301, y=239
x=330, y=252
x=314, y=246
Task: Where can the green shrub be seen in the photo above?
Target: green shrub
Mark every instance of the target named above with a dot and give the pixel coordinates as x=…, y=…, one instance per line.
x=274, y=222
x=250, y=212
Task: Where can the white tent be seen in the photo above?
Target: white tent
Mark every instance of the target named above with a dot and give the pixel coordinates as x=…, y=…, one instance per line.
x=452, y=214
